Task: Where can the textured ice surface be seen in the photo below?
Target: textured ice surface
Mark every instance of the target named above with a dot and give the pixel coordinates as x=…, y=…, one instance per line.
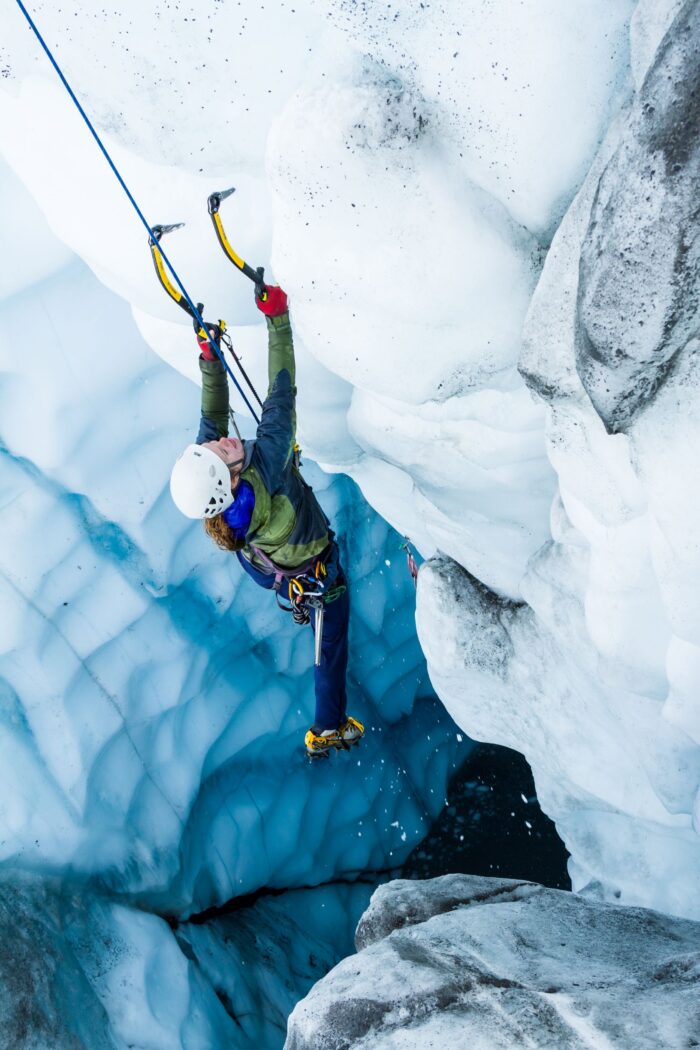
x=493, y=963
x=417, y=168
x=595, y=679
x=638, y=293
x=152, y=705
x=429, y=187
x=81, y=972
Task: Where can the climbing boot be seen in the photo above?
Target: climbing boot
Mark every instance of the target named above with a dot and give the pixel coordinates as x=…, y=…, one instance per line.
x=347, y=735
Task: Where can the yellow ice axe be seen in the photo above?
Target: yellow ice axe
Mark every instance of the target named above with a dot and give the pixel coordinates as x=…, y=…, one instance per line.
x=256, y=275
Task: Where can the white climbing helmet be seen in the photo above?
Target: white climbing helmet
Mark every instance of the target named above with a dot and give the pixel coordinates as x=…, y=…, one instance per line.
x=200, y=483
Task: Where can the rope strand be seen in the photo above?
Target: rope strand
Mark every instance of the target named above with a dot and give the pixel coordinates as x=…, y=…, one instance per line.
x=132, y=200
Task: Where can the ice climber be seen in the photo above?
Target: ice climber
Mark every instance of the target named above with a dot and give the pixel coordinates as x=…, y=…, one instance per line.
x=254, y=501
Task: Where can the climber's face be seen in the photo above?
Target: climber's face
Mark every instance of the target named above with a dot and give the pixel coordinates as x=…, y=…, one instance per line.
x=230, y=450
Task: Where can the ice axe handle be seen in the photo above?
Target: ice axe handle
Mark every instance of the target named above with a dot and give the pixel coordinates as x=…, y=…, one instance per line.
x=258, y=278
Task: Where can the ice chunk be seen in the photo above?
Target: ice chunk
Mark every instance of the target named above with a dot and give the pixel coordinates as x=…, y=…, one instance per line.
x=491, y=962
x=81, y=972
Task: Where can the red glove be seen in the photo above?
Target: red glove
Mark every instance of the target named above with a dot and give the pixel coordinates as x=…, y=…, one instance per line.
x=276, y=303
x=204, y=344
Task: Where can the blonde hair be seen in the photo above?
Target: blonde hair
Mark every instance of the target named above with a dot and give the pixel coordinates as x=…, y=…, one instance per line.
x=217, y=529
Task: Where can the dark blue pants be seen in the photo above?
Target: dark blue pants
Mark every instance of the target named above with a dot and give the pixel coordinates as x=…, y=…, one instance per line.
x=330, y=677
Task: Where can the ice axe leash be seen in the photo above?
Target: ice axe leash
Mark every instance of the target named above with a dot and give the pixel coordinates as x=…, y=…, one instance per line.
x=193, y=311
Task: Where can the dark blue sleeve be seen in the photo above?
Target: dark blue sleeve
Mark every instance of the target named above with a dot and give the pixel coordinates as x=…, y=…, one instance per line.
x=274, y=441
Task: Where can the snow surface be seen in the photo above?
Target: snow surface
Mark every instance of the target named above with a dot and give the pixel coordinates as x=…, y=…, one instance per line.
x=493, y=964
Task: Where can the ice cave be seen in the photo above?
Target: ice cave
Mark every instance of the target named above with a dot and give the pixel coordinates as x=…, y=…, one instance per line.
x=485, y=217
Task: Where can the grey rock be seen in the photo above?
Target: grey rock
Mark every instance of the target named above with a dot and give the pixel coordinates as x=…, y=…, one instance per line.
x=639, y=276
x=406, y=902
x=491, y=963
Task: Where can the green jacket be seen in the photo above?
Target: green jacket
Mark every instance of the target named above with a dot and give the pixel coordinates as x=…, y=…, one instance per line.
x=288, y=524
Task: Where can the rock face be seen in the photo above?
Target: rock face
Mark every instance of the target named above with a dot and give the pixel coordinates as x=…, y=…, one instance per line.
x=639, y=273
x=463, y=961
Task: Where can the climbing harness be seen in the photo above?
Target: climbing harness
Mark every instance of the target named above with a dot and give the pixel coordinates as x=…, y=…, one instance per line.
x=256, y=275
x=194, y=312
x=308, y=590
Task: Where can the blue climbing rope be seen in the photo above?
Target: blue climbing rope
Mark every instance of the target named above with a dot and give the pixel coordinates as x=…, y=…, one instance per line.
x=127, y=191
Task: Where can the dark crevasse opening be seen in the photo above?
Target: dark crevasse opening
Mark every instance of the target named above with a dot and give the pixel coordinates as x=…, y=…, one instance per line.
x=492, y=825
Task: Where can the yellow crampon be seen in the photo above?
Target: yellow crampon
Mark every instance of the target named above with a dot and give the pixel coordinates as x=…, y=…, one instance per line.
x=347, y=735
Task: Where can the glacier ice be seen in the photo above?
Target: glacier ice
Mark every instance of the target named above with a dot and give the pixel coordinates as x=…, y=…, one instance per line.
x=637, y=297
x=437, y=204
x=465, y=961
x=594, y=678
x=147, y=740
x=80, y=970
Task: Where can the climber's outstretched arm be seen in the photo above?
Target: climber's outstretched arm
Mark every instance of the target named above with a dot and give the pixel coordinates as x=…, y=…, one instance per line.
x=276, y=434
x=213, y=423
